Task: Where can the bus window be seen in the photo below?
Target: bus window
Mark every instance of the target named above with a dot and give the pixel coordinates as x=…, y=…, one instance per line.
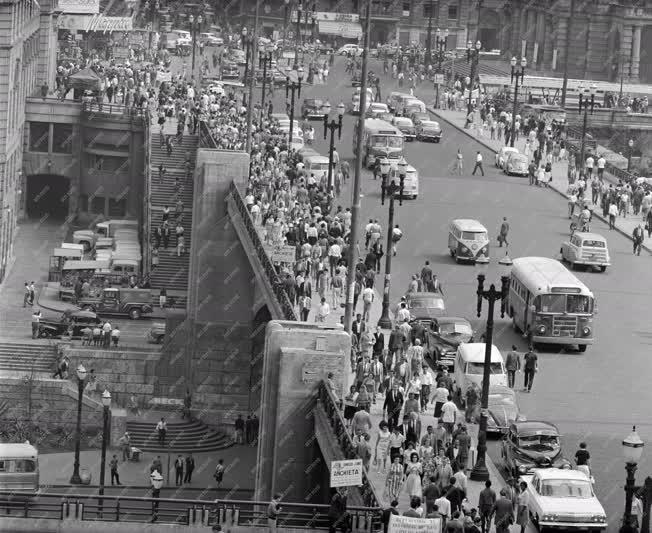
x=3, y=466
x=552, y=303
x=473, y=235
x=25, y=465
x=395, y=142
x=378, y=140
x=578, y=303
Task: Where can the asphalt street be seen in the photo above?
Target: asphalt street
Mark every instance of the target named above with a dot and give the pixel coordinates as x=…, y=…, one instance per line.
x=594, y=397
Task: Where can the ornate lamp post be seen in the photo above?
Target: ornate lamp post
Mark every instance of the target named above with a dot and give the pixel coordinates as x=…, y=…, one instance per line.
x=441, y=43
x=333, y=126
x=151, y=9
x=246, y=42
x=106, y=404
x=286, y=4
x=81, y=377
x=390, y=191
x=429, y=37
x=630, y=145
x=298, y=36
x=492, y=295
x=586, y=105
x=516, y=76
x=473, y=57
x=292, y=86
x=632, y=451
x=264, y=59
x=195, y=27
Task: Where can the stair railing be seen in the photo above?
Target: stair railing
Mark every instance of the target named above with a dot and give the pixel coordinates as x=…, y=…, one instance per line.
x=206, y=139
x=147, y=198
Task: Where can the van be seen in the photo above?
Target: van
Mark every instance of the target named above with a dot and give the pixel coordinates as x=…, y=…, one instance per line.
x=58, y=259
x=408, y=105
x=19, y=470
x=394, y=98
x=410, y=183
x=469, y=368
x=127, y=267
x=110, y=227
x=316, y=165
x=467, y=240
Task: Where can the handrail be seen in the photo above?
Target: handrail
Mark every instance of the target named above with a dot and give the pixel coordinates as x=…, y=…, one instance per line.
x=147, y=210
x=270, y=271
x=206, y=139
x=114, y=109
x=330, y=404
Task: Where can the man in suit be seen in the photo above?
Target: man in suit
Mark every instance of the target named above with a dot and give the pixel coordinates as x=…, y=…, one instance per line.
x=379, y=342
x=363, y=369
x=415, y=503
x=393, y=404
x=413, y=433
x=395, y=340
x=356, y=327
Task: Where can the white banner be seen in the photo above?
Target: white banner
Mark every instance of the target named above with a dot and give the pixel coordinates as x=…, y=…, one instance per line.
x=346, y=473
x=164, y=76
x=323, y=16
x=88, y=7
x=281, y=253
x=95, y=23
x=408, y=524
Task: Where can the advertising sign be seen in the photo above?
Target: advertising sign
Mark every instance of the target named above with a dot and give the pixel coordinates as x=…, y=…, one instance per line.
x=325, y=16
x=84, y=7
x=95, y=23
x=408, y=524
x=281, y=253
x=346, y=473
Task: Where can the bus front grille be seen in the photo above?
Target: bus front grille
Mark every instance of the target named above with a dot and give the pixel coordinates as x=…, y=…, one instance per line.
x=564, y=326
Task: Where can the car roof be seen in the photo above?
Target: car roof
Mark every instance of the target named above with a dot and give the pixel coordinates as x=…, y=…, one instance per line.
x=473, y=352
x=591, y=236
x=451, y=319
x=468, y=224
x=535, y=427
x=429, y=123
x=505, y=149
x=560, y=473
x=402, y=119
x=517, y=155
x=427, y=295
x=313, y=100
x=16, y=450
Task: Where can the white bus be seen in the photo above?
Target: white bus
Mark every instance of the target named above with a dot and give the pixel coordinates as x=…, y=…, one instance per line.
x=549, y=303
x=381, y=139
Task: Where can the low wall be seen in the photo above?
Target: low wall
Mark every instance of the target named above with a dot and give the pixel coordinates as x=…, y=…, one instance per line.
x=22, y=525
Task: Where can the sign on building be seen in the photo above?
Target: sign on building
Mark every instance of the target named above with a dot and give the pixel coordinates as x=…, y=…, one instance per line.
x=95, y=23
x=346, y=473
x=408, y=524
x=85, y=7
x=281, y=253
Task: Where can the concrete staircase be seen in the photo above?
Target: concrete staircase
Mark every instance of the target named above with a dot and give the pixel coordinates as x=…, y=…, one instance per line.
x=181, y=437
x=24, y=357
x=172, y=272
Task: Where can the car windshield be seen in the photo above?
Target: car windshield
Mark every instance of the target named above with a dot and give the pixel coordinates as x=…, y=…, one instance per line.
x=474, y=235
x=566, y=488
x=477, y=369
x=540, y=443
x=501, y=399
x=427, y=303
x=313, y=102
x=431, y=125
x=593, y=244
x=455, y=328
x=565, y=303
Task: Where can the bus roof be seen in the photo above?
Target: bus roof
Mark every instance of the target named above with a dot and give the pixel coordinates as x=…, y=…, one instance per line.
x=67, y=252
x=473, y=352
x=378, y=126
x=15, y=450
x=542, y=274
x=85, y=265
x=468, y=224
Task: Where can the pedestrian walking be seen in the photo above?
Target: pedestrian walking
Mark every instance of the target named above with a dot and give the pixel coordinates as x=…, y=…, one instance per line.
x=189, y=468
x=486, y=503
x=502, y=235
x=113, y=465
x=523, y=507
x=530, y=367
x=26, y=299
x=36, y=321
x=273, y=510
x=218, y=475
x=125, y=446
x=613, y=213
x=513, y=365
x=459, y=162
x=638, y=235
x=161, y=430
x=178, y=470
x=478, y=164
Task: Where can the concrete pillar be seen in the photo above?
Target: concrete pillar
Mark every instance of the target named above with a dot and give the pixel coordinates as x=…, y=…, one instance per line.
x=636, y=52
x=515, y=32
x=626, y=38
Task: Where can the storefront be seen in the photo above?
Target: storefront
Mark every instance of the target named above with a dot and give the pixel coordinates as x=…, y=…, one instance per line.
x=334, y=27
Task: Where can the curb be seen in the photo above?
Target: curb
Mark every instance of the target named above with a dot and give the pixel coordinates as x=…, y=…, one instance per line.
x=563, y=194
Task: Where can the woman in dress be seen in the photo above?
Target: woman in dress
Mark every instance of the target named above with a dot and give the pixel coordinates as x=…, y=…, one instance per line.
x=394, y=480
x=407, y=455
x=428, y=462
x=523, y=508
x=350, y=405
x=382, y=446
x=414, y=471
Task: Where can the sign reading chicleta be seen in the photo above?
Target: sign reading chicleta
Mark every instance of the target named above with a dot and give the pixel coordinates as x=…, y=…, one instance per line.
x=346, y=473
x=95, y=23
x=84, y=7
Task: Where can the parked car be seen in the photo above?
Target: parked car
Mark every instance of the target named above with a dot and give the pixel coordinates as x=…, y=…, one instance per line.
x=350, y=50
x=444, y=335
x=133, y=303
x=312, y=108
x=230, y=71
x=532, y=444
x=589, y=249
x=503, y=155
x=517, y=164
x=406, y=127
x=77, y=320
x=425, y=305
x=418, y=117
x=378, y=110
x=503, y=409
x=564, y=499
x=428, y=130
x=238, y=56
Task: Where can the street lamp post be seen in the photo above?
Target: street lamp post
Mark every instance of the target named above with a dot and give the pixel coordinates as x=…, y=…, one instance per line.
x=106, y=404
x=473, y=57
x=492, y=295
x=81, y=378
x=440, y=46
x=429, y=37
x=195, y=26
x=151, y=9
x=586, y=105
x=286, y=4
x=298, y=36
x=632, y=451
x=390, y=191
x=333, y=126
x=630, y=145
x=290, y=88
x=516, y=76
x=246, y=42
x=265, y=58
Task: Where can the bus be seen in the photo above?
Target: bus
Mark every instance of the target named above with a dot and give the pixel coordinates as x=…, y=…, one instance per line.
x=549, y=304
x=381, y=139
x=19, y=471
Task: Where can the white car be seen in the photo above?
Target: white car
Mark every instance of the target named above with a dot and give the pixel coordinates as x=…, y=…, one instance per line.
x=503, y=155
x=564, y=499
x=376, y=109
x=350, y=50
x=297, y=141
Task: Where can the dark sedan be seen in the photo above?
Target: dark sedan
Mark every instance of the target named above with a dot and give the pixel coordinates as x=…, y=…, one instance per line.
x=425, y=306
x=503, y=409
x=443, y=337
x=75, y=320
x=312, y=108
x=428, y=130
x=419, y=116
x=532, y=444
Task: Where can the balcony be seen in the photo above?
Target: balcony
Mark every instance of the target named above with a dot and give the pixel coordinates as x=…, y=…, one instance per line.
x=389, y=11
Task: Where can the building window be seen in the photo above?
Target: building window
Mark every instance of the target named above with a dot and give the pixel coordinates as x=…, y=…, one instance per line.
x=109, y=163
x=97, y=205
x=406, y=8
x=39, y=136
x=117, y=207
x=453, y=12
x=83, y=203
x=62, y=138
x=428, y=9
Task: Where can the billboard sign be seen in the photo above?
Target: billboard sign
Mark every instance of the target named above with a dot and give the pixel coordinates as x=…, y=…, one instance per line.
x=346, y=473
x=82, y=7
x=95, y=23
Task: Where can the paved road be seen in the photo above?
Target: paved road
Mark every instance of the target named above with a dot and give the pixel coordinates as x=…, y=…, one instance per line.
x=596, y=396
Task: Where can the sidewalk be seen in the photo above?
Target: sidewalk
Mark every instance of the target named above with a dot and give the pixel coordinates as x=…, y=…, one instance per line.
x=457, y=119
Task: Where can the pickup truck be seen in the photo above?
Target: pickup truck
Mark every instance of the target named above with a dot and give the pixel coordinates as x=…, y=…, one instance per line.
x=119, y=302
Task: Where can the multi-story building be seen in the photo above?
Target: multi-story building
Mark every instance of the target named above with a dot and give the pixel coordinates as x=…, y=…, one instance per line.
x=20, y=22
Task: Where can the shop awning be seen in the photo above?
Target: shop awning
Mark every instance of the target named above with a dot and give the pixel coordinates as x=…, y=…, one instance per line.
x=346, y=29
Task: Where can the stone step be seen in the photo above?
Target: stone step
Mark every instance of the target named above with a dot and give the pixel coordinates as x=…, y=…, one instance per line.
x=180, y=437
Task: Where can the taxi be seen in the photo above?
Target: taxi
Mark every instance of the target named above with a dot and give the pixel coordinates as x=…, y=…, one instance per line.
x=588, y=249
